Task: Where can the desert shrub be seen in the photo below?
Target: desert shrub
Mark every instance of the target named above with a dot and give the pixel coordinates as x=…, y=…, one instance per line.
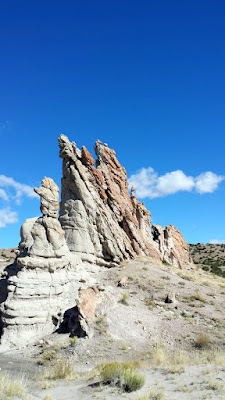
x=123, y=347
x=202, y=340
x=60, y=370
x=205, y=268
x=121, y=374
x=154, y=394
x=48, y=397
x=198, y=297
x=101, y=324
x=124, y=299
x=132, y=380
x=48, y=356
x=165, y=262
x=73, y=341
x=150, y=303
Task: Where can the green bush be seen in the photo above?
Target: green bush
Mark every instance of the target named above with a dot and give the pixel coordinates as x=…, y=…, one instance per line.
x=165, y=262
x=121, y=374
x=133, y=380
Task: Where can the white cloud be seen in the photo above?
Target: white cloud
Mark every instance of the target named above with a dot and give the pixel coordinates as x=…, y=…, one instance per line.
x=7, y=217
x=216, y=241
x=208, y=182
x=3, y=195
x=20, y=189
x=147, y=183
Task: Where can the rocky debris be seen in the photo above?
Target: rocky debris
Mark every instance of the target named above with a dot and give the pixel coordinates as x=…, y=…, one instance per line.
x=91, y=303
x=171, y=298
x=170, y=243
x=123, y=281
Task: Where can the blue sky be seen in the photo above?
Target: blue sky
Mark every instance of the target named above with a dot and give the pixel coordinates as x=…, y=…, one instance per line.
x=146, y=77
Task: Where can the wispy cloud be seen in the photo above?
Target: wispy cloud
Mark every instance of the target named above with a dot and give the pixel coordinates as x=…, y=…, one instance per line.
x=7, y=217
x=20, y=189
x=148, y=183
x=216, y=241
x=4, y=125
x=3, y=195
x=12, y=194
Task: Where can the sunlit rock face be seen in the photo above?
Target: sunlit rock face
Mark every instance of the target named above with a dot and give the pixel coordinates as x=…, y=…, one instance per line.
x=102, y=222
x=46, y=279
x=59, y=259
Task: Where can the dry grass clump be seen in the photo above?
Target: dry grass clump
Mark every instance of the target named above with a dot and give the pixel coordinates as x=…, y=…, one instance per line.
x=123, y=375
x=101, y=324
x=170, y=361
x=198, y=297
x=154, y=394
x=11, y=388
x=212, y=385
x=62, y=369
x=48, y=397
x=48, y=356
x=202, y=340
x=124, y=299
x=123, y=347
x=150, y=303
x=45, y=384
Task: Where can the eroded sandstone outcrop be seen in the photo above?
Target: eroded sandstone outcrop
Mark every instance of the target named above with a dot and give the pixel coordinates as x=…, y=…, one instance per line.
x=47, y=282
x=171, y=245
x=102, y=222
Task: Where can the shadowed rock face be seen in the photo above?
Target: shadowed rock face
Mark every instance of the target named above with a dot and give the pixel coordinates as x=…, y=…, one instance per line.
x=102, y=222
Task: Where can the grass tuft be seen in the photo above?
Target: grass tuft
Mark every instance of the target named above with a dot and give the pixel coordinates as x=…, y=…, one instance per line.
x=11, y=388
x=123, y=375
x=124, y=299
x=202, y=341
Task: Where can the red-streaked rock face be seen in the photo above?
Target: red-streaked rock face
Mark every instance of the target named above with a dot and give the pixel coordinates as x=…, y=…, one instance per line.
x=103, y=223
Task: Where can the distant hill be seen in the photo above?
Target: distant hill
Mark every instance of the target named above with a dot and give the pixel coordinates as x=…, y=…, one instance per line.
x=211, y=257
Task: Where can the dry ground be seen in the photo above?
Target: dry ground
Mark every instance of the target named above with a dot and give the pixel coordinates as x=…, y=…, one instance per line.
x=180, y=346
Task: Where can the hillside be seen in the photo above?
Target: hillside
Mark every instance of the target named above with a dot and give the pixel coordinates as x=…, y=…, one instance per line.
x=178, y=347
x=211, y=257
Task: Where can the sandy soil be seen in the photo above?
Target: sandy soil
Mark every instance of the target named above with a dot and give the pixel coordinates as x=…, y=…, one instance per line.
x=133, y=331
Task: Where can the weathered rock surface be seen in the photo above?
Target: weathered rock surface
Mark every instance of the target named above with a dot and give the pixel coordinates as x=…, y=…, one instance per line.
x=102, y=222
x=171, y=245
x=47, y=282
x=91, y=304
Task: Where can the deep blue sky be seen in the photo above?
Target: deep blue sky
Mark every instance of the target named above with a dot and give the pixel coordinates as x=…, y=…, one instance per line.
x=147, y=77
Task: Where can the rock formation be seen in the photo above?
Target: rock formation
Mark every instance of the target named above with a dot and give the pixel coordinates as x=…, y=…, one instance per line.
x=48, y=279
x=103, y=223
x=100, y=224
x=171, y=245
